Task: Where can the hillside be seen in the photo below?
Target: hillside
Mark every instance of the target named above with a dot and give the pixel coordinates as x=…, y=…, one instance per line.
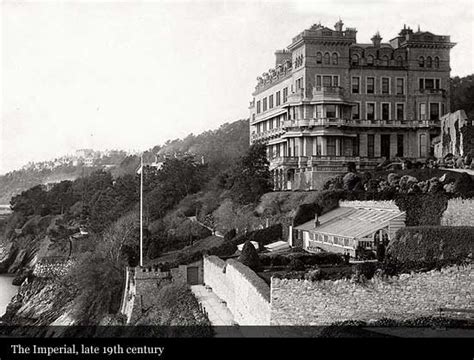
x=218, y=147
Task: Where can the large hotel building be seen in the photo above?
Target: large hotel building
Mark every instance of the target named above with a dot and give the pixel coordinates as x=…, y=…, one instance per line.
x=331, y=101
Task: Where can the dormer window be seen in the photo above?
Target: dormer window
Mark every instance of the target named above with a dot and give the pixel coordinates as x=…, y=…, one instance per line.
x=370, y=60
x=421, y=61
x=355, y=59
x=385, y=60
x=399, y=61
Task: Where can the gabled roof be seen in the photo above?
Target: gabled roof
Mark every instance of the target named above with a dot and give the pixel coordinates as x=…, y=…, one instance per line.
x=353, y=220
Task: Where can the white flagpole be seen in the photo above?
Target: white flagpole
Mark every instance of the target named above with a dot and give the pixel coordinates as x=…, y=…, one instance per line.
x=141, y=212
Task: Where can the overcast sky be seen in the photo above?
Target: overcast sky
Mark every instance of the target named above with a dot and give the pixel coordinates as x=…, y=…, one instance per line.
x=130, y=75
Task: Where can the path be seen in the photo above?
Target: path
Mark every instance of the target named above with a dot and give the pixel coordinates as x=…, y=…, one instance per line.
x=469, y=171
x=219, y=315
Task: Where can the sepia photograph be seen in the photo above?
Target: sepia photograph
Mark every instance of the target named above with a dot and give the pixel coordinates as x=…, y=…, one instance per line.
x=183, y=174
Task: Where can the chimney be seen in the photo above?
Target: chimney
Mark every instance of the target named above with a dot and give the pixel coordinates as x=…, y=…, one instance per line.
x=376, y=39
x=338, y=26
x=316, y=220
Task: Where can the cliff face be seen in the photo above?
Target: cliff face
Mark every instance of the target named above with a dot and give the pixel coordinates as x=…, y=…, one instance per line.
x=44, y=296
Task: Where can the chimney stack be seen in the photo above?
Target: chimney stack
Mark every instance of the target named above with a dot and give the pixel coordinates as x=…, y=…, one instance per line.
x=376, y=39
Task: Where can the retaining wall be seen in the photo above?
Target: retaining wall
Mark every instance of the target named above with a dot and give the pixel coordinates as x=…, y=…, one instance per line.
x=247, y=296
x=301, y=302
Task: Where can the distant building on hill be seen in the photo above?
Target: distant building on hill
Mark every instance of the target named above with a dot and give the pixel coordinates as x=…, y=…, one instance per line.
x=331, y=101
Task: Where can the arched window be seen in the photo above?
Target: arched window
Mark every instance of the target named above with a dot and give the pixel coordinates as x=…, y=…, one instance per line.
x=436, y=62
x=429, y=62
x=335, y=59
x=370, y=60
x=399, y=61
x=326, y=59
x=355, y=59
x=421, y=61
x=319, y=58
x=385, y=60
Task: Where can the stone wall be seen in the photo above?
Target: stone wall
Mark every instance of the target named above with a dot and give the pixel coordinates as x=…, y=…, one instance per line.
x=47, y=269
x=246, y=295
x=460, y=212
x=301, y=302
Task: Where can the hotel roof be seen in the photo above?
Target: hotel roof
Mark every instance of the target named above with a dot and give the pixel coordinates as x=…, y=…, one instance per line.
x=354, y=219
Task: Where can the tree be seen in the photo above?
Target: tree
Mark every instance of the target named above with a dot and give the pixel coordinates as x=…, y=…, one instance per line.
x=251, y=178
x=249, y=257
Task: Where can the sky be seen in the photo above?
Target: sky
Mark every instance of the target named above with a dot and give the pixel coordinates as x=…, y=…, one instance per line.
x=131, y=75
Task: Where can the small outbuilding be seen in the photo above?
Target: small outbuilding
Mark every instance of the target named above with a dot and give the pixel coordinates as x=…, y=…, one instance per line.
x=352, y=225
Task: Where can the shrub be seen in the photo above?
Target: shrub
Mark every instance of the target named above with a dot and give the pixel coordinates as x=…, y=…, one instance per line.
x=430, y=246
x=229, y=235
x=249, y=257
x=296, y=265
x=350, y=181
x=367, y=269
x=326, y=201
x=422, y=209
x=464, y=186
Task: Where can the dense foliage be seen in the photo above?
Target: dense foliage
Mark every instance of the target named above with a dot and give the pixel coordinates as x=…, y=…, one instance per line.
x=429, y=244
x=249, y=256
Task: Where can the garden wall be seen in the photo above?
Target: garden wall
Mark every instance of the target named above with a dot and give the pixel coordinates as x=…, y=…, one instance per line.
x=460, y=212
x=247, y=296
x=301, y=302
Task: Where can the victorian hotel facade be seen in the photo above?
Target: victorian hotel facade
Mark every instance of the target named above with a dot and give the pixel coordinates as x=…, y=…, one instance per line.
x=331, y=101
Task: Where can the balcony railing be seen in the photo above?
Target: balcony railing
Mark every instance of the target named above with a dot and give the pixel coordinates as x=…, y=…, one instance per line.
x=266, y=134
x=320, y=160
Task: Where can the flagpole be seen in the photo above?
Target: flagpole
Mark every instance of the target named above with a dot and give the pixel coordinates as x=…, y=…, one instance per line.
x=141, y=211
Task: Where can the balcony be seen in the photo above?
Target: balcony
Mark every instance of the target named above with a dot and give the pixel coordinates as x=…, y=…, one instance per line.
x=297, y=96
x=266, y=134
x=441, y=92
x=329, y=93
x=288, y=124
x=291, y=161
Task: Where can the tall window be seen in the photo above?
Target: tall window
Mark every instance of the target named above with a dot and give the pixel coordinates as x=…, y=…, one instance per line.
x=270, y=102
x=385, y=111
x=436, y=62
x=370, y=60
x=285, y=95
x=423, y=147
x=385, y=60
x=370, y=85
x=400, y=86
x=264, y=104
x=355, y=59
x=355, y=146
x=399, y=61
x=335, y=58
x=258, y=107
x=277, y=98
x=318, y=80
x=331, y=145
x=370, y=145
x=370, y=108
x=422, y=111
x=421, y=61
x=429, y=62
x=326, y=59
x=319, y=58
x=299, y=83
x=400, y=112
x=319, y=111
x=335, y=80
x=434, y=111
x=355, y=85
x=331, y=111
x=356, y=111
x=385, y=85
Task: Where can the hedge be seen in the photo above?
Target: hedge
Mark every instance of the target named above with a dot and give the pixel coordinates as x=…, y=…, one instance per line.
x=430, y=245
x=422, y=209
x=324, y=258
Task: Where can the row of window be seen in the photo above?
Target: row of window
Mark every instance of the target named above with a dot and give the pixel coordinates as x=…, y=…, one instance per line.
x=327, y=58
x=384, y=85
x=335, y=240
x=428, y=62
x=370, y=60
x=272, y=101
x=435, y=109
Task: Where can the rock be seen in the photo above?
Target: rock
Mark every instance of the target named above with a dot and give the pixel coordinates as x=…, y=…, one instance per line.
x=20, y=257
